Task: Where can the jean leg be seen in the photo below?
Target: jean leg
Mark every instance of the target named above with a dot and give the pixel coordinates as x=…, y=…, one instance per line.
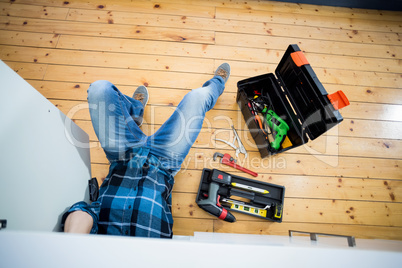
x=172, y=142
x=112, y=118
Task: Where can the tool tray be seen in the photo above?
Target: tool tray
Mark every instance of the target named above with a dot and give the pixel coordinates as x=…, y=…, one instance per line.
x=297, y=96
x=275, y=196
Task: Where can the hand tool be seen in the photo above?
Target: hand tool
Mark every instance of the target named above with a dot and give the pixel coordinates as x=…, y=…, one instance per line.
x=257, y=118
x=212, y=205
x=242, y=206
x=220, y=192
x=239, y=149
x=231, y=162
x=276, y=123
x=279, y=126
x=250, y=188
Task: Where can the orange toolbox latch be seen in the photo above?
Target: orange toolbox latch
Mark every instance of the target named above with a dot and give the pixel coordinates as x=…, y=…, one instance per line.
x=299, y=59
x=338, y=100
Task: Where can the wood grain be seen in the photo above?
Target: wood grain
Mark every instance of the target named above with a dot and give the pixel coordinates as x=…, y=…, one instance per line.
x=347, y=181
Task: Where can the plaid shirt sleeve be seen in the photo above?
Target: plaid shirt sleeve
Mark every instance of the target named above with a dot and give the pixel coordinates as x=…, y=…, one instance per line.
x=92, y=210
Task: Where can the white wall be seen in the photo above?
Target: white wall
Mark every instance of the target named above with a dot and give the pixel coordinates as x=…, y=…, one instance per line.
x=43, y=167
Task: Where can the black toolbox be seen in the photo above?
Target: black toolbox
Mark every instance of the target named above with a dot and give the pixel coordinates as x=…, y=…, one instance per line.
x=296, y=96
x=247, y=196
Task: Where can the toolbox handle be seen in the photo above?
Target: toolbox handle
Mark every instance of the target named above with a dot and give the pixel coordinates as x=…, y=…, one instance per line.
x=313, y=237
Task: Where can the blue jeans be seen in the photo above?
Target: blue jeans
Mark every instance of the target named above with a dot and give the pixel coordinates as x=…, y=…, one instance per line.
x=113, y=114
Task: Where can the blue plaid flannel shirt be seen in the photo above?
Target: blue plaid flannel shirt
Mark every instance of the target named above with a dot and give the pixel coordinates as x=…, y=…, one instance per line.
x=134, y=199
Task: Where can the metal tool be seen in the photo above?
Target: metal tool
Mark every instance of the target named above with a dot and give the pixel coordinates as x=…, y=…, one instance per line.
x=275, y=123
x=212, y=205
x=244, y=207
x=240, y=148
x=231, y=162
x=250, y=188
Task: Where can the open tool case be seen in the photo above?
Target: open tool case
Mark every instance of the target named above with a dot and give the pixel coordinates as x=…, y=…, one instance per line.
x=240, y=199
x=296, y=96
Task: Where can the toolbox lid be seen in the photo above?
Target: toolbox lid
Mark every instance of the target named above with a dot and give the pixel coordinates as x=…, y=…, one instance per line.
x=309, y=99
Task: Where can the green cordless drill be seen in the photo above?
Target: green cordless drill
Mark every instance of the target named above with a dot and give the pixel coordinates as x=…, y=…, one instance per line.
x=276, y=124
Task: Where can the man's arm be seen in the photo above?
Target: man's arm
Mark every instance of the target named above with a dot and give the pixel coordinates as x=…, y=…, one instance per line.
x=78, y=222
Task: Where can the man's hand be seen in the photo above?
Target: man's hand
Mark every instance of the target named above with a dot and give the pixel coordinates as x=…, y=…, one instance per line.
x=78, y=222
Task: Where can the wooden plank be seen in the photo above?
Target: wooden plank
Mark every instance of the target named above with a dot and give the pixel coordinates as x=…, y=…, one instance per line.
x=100, y=171
x=347, y=146
x=186, y=226
x=383, y=111
x=309, y=211
x=364, y=130
x=278, y=33
x=235, y=55
x=101, y=59
x=292, y=164
x=206, y=8
x=325, y=74
x=328, y=20
x=136, y=18
x=28, y=70
x=130, y=45
x=303, y=164
x=17, y=38
x=122, y=5
x=218, y=118
x=327, y=145
x=361, y=172
x=354, y=212
x=126, y=76
x=305, y=9
x=187, y=80
x=317, y=60
x=318, y=33
x=270, y=228
x=369, y=129
x=30, y=11
x=309, y=186
x=250, y=69
x=275, y=41
x=109, y=30
x=77, y=91
x=368, y=93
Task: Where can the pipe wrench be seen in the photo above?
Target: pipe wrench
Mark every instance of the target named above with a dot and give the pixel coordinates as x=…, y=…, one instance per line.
x=239, y=149
x=231, y=162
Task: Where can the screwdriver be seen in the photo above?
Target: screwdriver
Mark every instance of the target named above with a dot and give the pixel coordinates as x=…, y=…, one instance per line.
x=250, y=188
x=257, y=118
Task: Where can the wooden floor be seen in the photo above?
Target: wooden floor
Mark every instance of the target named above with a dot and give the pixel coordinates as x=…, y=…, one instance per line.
x=347, y=182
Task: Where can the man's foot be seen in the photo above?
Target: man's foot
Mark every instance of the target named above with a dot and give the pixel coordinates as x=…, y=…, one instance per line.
x=223, y=71
x=141, y=94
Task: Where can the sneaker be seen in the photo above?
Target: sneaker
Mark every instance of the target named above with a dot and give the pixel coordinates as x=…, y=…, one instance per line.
x=141, y=94
x=223, y=71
